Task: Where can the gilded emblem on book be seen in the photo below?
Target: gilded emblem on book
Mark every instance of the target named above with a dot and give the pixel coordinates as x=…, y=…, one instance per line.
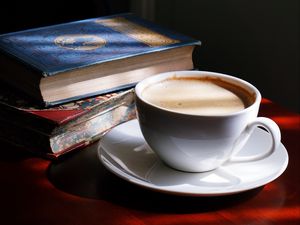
x=82, y=42
x=136, y=31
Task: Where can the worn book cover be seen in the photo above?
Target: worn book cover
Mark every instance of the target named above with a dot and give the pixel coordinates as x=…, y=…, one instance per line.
x=51, y=63
x=58, y=130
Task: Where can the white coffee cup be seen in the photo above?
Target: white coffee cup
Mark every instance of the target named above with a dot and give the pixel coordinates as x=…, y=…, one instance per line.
x=188, y=140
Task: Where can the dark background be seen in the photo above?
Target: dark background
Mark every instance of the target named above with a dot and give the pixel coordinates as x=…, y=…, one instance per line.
x=254, y=40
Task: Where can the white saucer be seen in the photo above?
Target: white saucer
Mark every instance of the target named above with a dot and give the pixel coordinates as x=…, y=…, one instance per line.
x=124, y=152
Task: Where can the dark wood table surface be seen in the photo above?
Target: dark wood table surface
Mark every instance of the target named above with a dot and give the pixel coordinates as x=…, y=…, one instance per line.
x=77, y=189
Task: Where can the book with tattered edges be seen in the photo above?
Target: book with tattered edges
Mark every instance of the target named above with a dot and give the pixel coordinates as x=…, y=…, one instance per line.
x=75, y=60
x=55, y=131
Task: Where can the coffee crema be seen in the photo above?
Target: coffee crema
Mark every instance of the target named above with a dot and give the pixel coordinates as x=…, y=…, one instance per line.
x=198, y=96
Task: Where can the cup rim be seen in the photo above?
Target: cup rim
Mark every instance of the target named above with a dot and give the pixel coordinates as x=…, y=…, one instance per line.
x=229, y=78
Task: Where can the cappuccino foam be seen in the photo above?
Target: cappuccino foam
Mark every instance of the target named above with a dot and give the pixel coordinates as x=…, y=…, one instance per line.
x=195, y=96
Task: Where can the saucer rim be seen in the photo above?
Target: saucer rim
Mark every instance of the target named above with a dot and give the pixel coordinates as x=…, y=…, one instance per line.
x=209, y=193
x=132, y=179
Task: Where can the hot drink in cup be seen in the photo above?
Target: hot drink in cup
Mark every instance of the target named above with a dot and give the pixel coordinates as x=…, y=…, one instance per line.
x=195, y=120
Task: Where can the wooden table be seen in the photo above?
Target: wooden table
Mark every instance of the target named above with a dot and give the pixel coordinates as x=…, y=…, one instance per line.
x=77, y=189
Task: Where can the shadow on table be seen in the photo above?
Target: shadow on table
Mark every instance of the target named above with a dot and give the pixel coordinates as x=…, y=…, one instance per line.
x=82, y=174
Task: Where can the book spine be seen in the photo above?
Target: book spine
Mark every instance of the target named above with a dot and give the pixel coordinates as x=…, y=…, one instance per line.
x=23, y=137
x=12, y=70
x=73, y=136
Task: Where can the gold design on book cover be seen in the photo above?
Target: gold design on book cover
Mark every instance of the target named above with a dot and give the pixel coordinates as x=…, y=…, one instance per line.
x=138, y=32
x=82, y=42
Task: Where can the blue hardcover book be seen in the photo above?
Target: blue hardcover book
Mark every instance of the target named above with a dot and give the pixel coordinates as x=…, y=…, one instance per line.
x=70, y=61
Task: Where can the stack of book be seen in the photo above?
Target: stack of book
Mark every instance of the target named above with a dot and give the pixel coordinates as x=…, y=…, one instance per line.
x=63, y=86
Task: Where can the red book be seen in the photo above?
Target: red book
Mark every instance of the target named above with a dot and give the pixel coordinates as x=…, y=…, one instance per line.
x=55, y=131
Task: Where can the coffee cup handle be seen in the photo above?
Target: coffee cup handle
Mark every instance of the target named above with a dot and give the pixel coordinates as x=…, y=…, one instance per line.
x=272, y=129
